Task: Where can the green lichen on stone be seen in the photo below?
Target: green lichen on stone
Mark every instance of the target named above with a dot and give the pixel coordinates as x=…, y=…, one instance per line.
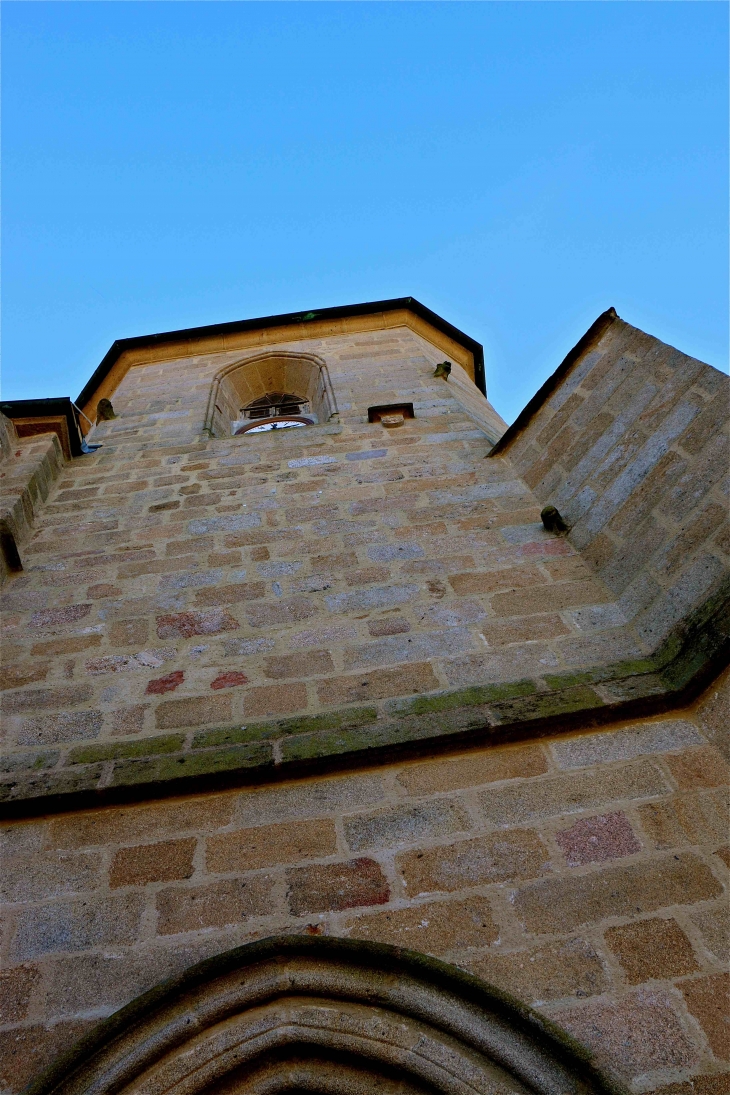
x=329, y=743
x=547, y=704
x=558, y=681
x=331, y=720
x=87, y=754
x=235, y=735
x=67, y=781
x=28, y=762
x=185, y=765
x=464, y=697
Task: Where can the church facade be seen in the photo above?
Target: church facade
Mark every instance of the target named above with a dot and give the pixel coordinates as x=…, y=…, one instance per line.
x=354, y=741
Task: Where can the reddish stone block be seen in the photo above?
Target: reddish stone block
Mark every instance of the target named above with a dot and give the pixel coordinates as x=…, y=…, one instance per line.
x=164, y=862
x=594, y=839
x=183, y=625
x=22, y=673
x=229, y=680
x=168, y=683
x=335, y=886
x=53, y=617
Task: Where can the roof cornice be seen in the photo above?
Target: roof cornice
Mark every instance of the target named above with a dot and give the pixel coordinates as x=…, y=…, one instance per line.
x=287, y=319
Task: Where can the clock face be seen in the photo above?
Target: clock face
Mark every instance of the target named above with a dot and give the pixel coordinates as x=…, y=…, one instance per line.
x=282, y=424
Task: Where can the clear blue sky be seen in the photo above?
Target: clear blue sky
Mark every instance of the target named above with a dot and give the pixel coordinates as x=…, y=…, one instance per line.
x=517, y=167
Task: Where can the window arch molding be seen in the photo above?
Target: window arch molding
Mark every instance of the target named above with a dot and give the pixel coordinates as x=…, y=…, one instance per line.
x=308, y=1014
x=241, y=383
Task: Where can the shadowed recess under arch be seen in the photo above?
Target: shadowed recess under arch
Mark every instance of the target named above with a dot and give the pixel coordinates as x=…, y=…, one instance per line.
x=337, y=1017
x=304, y=376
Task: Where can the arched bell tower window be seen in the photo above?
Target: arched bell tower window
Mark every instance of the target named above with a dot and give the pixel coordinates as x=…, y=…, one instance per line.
x=270, y=391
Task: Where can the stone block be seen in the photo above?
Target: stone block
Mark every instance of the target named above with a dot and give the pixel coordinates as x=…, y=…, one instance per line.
x=490, y=581
x=702, y=767
x=58, y=617
x=274, y=699
x=437, y=927
x=652, y=949
x=282, y=614
x=496, y=857
x=232, y=594
x=713, y=923
x=135, y=633
x=708, y=1000
x=316, y=663
x=405, y=825
x=596, y=839
x=490, y=766
x=151, y=821
x=660, y=736
x=333, y=887
x=687, y=818
x=66, y=726
x=561, y=904
x=192, y=908
x=16, y=987
x=26, y=1051
x=166, y=861
x=35, y=699
x=264, y=846
x=315, y=798
x=77, y=925
x=389, y=626
x=378, y=684
x=184, y=625
x=192, y=711
x=567, y=968
x=50, y=874
x=549, y=598
x=548, y=796
x=641, y=1032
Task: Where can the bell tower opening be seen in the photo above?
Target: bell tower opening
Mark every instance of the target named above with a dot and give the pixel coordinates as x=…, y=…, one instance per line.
x=271, y=391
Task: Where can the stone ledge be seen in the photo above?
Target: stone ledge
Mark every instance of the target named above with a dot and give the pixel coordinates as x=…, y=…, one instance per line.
x=97, y=774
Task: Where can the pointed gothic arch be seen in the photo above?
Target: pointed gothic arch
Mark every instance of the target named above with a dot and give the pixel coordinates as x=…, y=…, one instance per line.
x=303, y=377
x=329, y=1016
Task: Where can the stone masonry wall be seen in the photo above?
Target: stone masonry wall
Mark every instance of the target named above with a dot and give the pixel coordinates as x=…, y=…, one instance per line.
x=182, y=592
x=633, y=449
x=585, y=873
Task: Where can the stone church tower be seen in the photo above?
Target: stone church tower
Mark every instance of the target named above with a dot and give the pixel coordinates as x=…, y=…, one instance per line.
x=353, y=741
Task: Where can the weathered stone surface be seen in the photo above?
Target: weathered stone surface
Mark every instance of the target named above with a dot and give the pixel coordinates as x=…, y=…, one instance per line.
x=435, y=927
x=498, y=857
x=570, y=968
x=182, y=909
x=652, y=949
x=708, y=999
x=336, y=886
x=287, y=842
x=640, y=1033
x=559, y=904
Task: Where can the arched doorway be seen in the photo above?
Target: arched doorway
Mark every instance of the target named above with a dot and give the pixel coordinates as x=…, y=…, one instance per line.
x=300, y=1014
